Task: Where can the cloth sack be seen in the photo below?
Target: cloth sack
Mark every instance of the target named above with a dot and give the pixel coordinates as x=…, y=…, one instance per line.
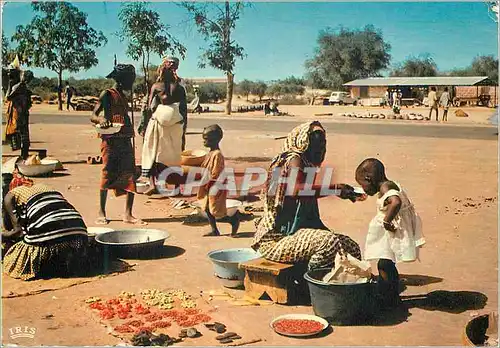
x=348, y=269
x=167, y=115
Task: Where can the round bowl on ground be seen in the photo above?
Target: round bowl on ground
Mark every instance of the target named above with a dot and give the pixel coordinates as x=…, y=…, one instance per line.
x=232, y=206
x=341, y=304
x=115, y=128
x=132, y=241
x=322, y=321
x=47, y=166
x=226, y=264
x=475, y=332
x=142, y=187
x=193, y=158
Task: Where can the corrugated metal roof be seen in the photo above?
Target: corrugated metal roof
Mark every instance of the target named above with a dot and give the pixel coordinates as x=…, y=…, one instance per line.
x=419, y=81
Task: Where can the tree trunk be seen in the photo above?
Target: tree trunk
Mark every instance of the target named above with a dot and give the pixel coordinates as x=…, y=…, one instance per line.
x=59, y=90
x=229, y=92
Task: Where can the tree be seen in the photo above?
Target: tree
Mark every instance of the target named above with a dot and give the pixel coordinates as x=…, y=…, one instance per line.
x=314, y=81
x=245, y=87
x=216, y=24
x=8, y=54
x=259, y=89
x=421, y=66
x=58, y=38
x=344, y=55
x=291, y=85
x=145, y=33
x=480, y=66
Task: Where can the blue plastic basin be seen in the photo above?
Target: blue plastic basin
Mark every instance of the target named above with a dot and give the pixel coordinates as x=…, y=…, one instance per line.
x=226, y=262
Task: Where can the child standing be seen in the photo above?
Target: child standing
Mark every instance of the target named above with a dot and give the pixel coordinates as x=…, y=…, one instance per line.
x=395, y=233
x=214, y=203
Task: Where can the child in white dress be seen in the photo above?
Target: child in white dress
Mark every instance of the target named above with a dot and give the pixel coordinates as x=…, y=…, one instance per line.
x=395, y=233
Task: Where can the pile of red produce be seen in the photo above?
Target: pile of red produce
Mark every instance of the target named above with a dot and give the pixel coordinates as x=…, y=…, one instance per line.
x=297, y=326
x=151, y=320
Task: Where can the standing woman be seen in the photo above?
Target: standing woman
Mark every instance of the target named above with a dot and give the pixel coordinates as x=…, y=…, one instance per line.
x=118, y=173
x=18, y=98
x=164, y=138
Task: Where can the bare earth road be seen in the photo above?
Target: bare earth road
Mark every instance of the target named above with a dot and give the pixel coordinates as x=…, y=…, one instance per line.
x=284, y=124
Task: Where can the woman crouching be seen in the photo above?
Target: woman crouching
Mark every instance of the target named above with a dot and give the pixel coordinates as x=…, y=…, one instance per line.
x=49, y=234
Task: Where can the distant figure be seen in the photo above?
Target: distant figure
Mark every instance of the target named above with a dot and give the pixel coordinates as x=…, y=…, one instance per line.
x=445, y=103
x=387, y=98
x=68, y=93
x=395, y=99
x=274, y=110
x=433, y=102
x=267, y=108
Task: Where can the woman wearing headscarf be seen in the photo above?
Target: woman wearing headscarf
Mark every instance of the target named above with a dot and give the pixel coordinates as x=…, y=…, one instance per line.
x=49, y=235
x=18, y=98
x=164, y=138
x=291, y=230
x=117, y=152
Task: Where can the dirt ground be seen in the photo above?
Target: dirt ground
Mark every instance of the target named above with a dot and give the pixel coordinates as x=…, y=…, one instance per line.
x=445, y=178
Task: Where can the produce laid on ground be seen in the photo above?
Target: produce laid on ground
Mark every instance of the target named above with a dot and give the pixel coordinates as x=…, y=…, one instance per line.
x=299, y=325
x=155, y=317
x=411, y=116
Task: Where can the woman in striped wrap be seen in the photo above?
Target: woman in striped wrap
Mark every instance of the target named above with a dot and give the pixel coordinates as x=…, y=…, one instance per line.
x=291, y=230
x=51, y=237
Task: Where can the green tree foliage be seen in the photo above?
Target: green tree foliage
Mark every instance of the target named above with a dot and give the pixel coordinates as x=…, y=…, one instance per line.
x=245, y=88
x=211, y=92
x=259, y=89
x=290, y=86
x=8, y=54
x=344, y=55
x=216, y=22
x=146, y=34
x=421, y=66
x=480, y=66
x=58, y=38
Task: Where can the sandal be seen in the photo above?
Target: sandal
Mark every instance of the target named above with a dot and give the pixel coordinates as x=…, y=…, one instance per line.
x=101, y=221
x=135, y=221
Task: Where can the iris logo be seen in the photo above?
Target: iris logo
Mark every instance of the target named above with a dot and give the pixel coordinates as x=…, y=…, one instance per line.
x=22, y=332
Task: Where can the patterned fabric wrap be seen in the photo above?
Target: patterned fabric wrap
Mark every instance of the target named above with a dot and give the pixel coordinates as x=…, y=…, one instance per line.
x=118, y=172
x=119, y=114
x=55, y=258
x=294, y=147
x=48, y=216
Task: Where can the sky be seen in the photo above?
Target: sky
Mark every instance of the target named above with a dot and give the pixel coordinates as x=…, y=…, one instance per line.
x=278, y=37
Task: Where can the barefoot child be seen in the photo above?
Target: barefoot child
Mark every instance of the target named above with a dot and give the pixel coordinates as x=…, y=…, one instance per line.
x=214, y=203
x=395, y=233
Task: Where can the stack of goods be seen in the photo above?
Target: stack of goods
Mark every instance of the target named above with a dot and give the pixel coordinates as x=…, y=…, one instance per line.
x=86, y=103
x=153, y=317
x=411, y=116
x=348, y=269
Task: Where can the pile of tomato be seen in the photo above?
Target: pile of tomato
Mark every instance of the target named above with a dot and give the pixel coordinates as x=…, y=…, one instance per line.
x=124, y=308
x=298, y=326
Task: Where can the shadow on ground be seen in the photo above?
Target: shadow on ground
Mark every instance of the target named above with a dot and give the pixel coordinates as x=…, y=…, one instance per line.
x=454, y=302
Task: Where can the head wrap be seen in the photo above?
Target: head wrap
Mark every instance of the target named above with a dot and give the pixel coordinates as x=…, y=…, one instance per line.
x=15, y=65
x=19, y=180
x=168, y=63
x=295, y=146
x=121, y=70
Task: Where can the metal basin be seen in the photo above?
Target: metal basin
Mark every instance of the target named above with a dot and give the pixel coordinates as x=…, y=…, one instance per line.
x=226, y=264
x=47, y=166
x=133, y=241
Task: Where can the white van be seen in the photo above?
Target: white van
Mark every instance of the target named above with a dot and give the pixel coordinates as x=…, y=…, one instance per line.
x=341, y=98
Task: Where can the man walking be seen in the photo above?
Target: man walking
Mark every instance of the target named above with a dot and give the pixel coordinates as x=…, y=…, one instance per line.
x=68, y=92
x=433, y=103
x=445, y=103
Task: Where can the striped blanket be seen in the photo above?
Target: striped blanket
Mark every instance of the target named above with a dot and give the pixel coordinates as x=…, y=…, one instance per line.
x=48, y=216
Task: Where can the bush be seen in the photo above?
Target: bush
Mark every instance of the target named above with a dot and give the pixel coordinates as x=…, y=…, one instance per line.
x=212, y=92
x=290, y=99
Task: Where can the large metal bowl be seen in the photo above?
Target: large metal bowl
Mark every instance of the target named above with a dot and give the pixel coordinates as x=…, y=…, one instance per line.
x=47, y=166
x=133, y=241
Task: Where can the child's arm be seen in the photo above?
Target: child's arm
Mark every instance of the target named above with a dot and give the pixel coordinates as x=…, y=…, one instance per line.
x=393, y=204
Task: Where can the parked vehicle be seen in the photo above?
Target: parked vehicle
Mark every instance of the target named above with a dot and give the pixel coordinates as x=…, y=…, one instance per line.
x=341, y=98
